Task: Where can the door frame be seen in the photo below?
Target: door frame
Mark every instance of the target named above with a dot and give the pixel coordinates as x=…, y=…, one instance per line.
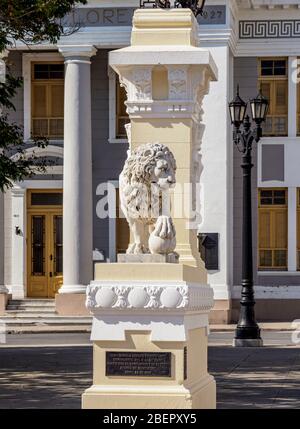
x=17, y=262
x=42, y=210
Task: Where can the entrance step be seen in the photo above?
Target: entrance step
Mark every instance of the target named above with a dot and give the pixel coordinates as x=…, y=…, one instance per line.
x=31, y=304
x=54, y=320
x=39, y=315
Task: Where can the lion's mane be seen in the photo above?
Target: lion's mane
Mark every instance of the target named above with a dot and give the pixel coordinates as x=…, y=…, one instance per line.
x=137, y=171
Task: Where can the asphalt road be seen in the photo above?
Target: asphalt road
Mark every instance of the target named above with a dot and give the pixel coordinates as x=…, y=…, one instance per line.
x=270, y=338
x=52, y=371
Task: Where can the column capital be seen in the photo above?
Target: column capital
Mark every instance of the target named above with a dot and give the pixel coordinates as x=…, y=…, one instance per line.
x=17, y=191
x=77, y=52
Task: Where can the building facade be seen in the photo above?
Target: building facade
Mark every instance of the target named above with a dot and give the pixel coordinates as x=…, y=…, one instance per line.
x=50, y=238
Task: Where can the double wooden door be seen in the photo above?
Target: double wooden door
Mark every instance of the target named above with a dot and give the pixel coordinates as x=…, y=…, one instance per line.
x=44, y=253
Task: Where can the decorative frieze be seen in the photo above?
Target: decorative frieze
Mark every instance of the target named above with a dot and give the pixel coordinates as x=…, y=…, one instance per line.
x=270, y=29
x=148, y=296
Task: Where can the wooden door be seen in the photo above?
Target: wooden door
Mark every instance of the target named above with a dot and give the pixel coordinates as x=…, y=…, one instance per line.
x=44, y=248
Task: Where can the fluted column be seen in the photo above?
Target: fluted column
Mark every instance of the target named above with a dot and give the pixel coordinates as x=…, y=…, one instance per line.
x=77, y=207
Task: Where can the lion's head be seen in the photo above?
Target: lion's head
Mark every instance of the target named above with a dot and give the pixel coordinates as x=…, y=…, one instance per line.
x=151, y=163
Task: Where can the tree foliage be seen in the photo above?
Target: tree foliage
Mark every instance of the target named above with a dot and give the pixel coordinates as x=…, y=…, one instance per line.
x=30, y=22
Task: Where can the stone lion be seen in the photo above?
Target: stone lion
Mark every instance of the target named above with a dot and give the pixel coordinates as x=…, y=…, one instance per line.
x=147, y=176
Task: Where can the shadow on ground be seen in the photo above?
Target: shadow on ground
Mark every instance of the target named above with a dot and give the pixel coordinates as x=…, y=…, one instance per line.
x=55, y=377
x=44, y=377
x=256, y=378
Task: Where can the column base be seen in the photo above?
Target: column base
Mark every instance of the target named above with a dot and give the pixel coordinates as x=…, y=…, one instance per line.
x=247, y=343
x=68, y=304
x=4, y=297
x=3, y=289
x=201, y=396
x=73, y=289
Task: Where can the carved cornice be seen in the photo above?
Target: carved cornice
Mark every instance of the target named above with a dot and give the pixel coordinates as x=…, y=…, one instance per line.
x=148, y=296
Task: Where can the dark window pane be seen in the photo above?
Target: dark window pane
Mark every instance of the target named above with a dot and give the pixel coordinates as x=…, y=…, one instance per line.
x=38, y=233
x=279, y=197
x=280, y=68
x=266, y=197
x=280, y=258
x=266, y=201
x=48, y=71
x=265, y=258
x=267, y=68
x=46, y=199
x=58, y=245
x=266, y=194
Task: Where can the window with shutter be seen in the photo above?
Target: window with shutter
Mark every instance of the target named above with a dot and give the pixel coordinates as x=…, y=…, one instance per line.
x=273, y=82
x=47, y=108
x=272, y=229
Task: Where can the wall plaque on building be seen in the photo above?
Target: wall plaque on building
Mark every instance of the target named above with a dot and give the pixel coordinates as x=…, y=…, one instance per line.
x=213, y=15
x=138, y=364
x=122, y=16
x=100, y=17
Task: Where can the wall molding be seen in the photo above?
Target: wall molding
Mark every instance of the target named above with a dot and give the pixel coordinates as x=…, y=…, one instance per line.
x=269, y=29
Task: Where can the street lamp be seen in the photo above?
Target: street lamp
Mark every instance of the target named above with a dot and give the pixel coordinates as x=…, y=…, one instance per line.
x=247, y=333
x=195, y=5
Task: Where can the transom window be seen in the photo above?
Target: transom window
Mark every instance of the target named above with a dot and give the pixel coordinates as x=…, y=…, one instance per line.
x=272, y=229
x=273, y=67
x=47, y=95
x=273, y=197
x=48, y=71
x=273, y=82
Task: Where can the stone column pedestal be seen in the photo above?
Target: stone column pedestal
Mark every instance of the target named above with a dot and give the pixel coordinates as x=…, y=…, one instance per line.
x=150, y=330
x=150, y=320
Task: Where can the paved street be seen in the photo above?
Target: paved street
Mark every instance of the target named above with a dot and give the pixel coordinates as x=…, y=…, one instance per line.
x=53, y=371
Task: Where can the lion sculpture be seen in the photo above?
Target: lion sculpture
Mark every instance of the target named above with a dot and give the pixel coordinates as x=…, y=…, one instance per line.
x=147, y=176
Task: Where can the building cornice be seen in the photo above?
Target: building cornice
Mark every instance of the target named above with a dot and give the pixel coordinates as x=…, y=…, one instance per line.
x=267, y=4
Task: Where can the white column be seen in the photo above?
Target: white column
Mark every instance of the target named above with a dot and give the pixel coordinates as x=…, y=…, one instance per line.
x=77, y=206
x=18, y=249
x=292, y=112
x=3, y=289
x=217, y=176
x=292, y=229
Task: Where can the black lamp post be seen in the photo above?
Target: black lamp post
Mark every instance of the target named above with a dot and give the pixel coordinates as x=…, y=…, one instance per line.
x=247, y=332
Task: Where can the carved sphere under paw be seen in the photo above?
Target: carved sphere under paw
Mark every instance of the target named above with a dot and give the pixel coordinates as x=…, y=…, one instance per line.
x=163, y=239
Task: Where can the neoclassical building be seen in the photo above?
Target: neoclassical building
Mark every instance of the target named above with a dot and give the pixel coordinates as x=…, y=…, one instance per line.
x=51, y=227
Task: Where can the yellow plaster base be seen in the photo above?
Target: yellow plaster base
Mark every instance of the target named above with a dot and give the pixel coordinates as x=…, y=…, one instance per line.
x=71, y=304
x=155, y=272
x=4, y=297
x=197, y=391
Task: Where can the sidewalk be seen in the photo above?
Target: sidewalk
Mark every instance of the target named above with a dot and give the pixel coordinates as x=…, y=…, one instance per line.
x=77, y=329
x=265, y=326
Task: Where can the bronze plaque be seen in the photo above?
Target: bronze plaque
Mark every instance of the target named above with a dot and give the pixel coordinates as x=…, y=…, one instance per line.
x=138, y=364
